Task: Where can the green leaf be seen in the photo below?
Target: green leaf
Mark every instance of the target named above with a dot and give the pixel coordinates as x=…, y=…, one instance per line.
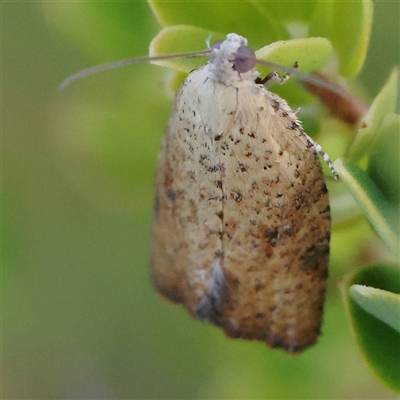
x=382, y=304
x=379, y=212
x=181, y=39
x=172, y=80
x=383, y=104
x=311, y=53
x=298, y=10
x=351, y=27
x=243, y=18
x=371, y=297
x=347, y=24
x=321, y=22
x=383, y=163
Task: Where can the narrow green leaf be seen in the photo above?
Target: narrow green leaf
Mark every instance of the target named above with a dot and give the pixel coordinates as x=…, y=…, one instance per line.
x=351, y=27
x=372, y=321
x=383, y=104
x=384, y=161
x=382, y=304
x=379, y=212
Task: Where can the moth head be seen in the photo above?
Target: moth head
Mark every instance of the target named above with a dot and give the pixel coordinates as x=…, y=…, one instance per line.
x=244, y=58
x=230, y=58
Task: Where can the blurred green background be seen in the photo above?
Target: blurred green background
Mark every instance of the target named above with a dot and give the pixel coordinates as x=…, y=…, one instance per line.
x=79, y=316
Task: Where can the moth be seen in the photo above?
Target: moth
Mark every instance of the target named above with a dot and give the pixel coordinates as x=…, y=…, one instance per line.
x=241, y=226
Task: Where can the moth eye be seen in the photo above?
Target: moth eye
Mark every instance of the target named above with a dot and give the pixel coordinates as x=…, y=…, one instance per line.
x=245, y=59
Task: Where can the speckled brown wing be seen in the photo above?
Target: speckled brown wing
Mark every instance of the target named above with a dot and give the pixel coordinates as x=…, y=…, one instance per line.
x=242, y=223
x=276, y=224
x=186, y=231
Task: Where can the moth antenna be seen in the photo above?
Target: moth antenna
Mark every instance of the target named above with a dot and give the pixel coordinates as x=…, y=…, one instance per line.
x=324, y=156
x=129, y=61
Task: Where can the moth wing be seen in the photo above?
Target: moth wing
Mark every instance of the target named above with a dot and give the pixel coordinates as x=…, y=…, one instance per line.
x=187, y=225
x=276, y=224
x=241, y=226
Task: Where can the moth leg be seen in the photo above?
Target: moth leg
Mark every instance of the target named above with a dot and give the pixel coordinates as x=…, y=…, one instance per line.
x=324, y=156
x=273, y=78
